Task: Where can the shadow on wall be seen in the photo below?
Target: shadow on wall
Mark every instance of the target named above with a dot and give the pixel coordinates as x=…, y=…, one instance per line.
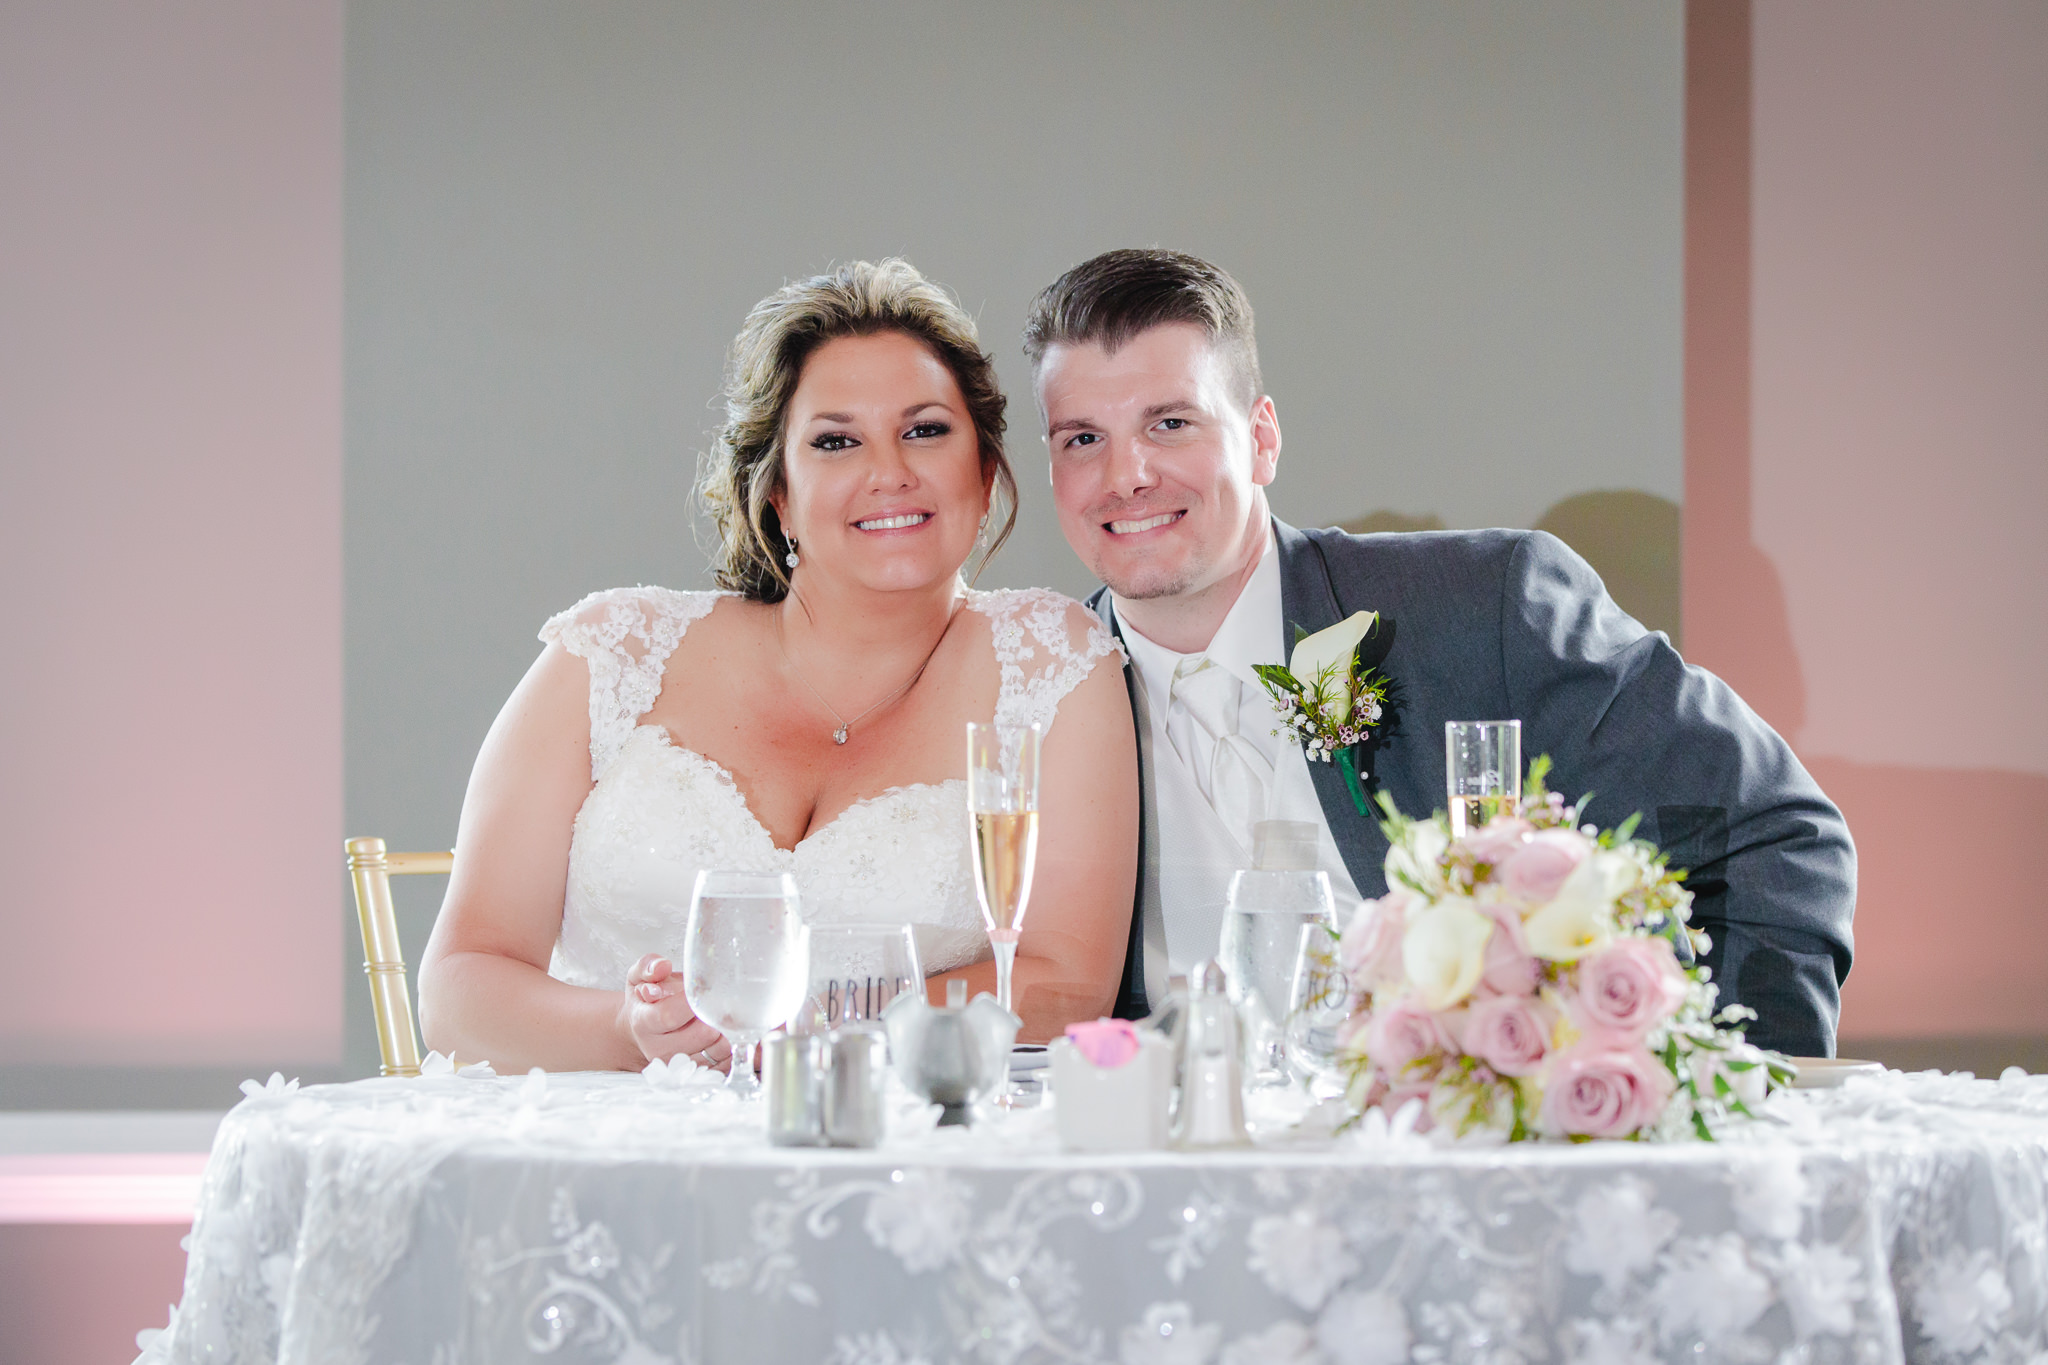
x=1629, y=537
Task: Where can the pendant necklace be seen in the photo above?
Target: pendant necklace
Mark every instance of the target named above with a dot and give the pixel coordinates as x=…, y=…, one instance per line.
x=846, y=726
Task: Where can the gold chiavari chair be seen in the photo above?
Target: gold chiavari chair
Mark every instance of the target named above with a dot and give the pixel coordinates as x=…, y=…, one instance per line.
x=371, y=869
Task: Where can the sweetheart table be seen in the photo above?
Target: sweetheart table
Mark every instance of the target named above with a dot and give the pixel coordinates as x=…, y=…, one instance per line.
x=583, y=1217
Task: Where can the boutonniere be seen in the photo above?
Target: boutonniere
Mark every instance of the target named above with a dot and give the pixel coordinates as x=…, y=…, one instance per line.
x=1331, y=695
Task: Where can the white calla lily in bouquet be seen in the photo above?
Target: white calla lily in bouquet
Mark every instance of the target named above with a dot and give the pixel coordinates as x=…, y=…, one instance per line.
x=1525, y=981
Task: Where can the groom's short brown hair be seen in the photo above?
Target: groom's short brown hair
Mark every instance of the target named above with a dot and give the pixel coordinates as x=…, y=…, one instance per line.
x=1115, y=296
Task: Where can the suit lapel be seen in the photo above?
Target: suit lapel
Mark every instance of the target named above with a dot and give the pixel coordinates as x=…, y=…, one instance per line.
x=1309, y=599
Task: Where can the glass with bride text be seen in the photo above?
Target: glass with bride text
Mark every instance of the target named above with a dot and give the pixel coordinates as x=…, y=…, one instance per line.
x=1482, y=771
x=1002, y=803
x=746, y=961
x=856, y=970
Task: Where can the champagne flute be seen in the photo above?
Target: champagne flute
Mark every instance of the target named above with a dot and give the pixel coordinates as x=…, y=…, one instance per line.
x=1002, y=802
x=746, y=961
x=1482, y=771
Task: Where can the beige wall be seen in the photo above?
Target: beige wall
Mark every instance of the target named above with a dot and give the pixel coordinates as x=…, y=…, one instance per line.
x=170, y=534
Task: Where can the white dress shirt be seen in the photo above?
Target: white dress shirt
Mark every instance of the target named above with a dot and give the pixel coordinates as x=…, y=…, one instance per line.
x=1251, y=634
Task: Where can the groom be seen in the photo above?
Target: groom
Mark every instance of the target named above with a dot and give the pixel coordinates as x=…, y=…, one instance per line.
x=1162, y=442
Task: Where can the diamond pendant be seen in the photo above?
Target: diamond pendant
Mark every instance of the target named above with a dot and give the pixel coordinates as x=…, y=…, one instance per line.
x=839, y=735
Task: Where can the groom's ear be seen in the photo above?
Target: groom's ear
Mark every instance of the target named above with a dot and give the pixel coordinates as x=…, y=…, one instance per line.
x=1265, y=420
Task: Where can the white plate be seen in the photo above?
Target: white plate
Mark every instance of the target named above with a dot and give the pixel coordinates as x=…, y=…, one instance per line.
x=1825, y=1073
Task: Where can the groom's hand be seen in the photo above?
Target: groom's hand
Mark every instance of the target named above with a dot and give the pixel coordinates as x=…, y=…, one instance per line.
x=659, y=1019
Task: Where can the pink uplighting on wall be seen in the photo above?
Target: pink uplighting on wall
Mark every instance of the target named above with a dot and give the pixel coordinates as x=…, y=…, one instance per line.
x=1867, y=460
x=126, y=1188
x=170, y=533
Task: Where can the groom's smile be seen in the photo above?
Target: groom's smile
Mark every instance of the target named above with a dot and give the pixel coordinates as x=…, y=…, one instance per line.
x=1132, y=528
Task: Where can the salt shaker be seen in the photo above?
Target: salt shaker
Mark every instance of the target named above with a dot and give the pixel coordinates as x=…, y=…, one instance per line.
x=1212, y=1084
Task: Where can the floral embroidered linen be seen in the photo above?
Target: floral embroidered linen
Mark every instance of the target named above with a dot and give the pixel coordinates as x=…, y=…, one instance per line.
x=603, y=1218
x=659, y=812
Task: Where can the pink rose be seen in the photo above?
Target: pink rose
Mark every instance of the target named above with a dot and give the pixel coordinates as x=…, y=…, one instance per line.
x=1511, y=969
x=1498, y=839
x=1402, y=1034
x=1508, y=1033
x=1539, y=867
x=1598, y=1090
x=1106, y=1042
x=1399, y=1097
x=1371, y=946
x=1628, y=986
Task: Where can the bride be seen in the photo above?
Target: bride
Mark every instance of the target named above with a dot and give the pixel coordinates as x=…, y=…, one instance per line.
x=809, y=717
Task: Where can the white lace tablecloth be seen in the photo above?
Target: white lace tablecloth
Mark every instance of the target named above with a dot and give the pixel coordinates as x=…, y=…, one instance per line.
x=598, y=1218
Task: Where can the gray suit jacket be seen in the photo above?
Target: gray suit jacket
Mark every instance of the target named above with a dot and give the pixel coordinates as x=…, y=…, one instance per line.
x=1511, y=624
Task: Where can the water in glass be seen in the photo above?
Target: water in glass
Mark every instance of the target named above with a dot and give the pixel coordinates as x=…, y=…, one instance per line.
x=1263, y=921
x=746, y=960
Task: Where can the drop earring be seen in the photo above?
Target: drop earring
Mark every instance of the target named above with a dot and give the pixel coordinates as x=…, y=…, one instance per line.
x=790, y=558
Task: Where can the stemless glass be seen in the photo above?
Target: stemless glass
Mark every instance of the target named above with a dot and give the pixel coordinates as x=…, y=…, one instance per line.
x=1317, y=1008
x=1264, y=917
x=1482, y=771
x=1002, y=804
x=746, y=961
x=856, y=970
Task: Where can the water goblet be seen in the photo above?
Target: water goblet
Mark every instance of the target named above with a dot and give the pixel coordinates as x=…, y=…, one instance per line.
x=1264, y=915
x=1482, y=771
x=1002, y=804
x=746, y=961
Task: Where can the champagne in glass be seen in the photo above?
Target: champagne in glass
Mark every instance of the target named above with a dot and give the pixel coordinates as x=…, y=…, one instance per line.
x=1002, y=803
x=1005, y=847
x=1482, y=771
x=746, y=961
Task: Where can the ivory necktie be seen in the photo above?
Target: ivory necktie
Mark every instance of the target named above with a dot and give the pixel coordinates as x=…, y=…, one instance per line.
x=1231, y=773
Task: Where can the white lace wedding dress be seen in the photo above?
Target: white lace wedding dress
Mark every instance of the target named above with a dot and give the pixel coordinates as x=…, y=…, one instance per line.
x=659, y=812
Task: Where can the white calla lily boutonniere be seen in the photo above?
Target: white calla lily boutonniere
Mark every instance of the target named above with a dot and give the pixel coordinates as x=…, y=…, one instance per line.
x=1331, y=695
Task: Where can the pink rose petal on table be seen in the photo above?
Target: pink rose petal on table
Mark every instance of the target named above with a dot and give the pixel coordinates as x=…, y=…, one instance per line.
x=1108, y=1043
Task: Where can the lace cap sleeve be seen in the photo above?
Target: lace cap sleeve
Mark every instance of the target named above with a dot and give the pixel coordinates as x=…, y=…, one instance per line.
x=625, y=636
x=1045, y=644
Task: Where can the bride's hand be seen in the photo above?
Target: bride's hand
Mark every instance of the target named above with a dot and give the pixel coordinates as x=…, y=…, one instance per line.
x=658, y=1018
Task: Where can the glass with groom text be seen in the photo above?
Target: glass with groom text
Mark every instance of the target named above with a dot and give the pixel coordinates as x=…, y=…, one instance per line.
x=1002, y=804
x=1482, y=771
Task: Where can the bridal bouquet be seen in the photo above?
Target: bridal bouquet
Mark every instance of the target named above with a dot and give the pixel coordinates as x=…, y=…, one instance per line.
x=1523, y=982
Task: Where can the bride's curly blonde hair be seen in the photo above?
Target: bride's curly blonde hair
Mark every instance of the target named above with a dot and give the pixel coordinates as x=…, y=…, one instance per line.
x=744, y=467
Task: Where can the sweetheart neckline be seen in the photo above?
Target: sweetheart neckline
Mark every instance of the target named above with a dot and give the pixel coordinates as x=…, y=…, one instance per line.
x=731, y=784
